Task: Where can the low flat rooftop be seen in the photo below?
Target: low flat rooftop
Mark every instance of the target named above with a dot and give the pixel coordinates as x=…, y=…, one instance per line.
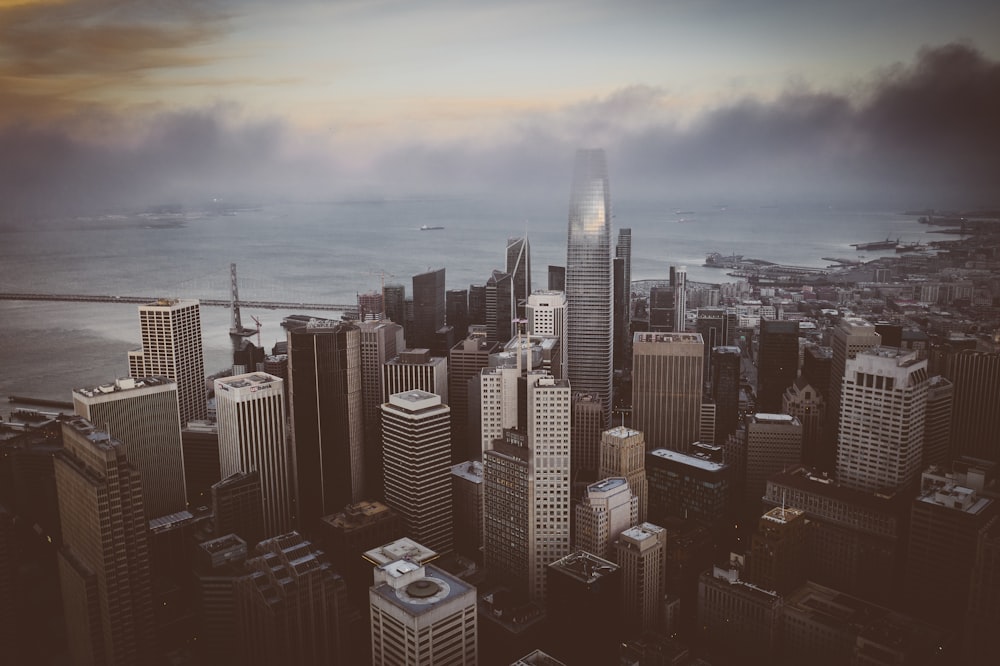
x=698, y=461
x=584, y=566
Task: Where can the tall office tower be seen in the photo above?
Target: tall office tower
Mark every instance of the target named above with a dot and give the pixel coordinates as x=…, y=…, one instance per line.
x=291, y=607
x=726, y=390
x=623, y=453
x=394, y=301
x=607, y=508
x=706, y=427
x=882, y=405
x=777, y=362
x=498, y=403
x=200, y=440
x=251, y=413
x=477, y=304
x=778, y=550
x=662, y=309
x=774, y=443
x=380, y=342
x=171, y=347
x=428, y=308
x=697, y=486
x=466, y=361
x=585, y=608
x=456, y=303
x=349, y=534
x=850, y=336
x=945, y=521
x=416, y=443
x=666, y=388
x=855, y=539
x=557, y=278
x=816, y=362
x=238, y=507
x=104, y=560
x=891, y=334
x=499, y=306
x=680, y=299
x=588, y=279
x=983, y=616
x=422, y=616
x=712, y=324
x=805, y=403
x=142, y=413
x=546, y=315
x=327, y=415
x=976, y=421
x=415, y=369
x=519, y=266
x=217, y=564
x=738, y=619
x=641, y=555
x=938, y=421
x=507, y=511
x=371, y=306
x=623, y=251
x=588, y=424
x=467, y=508
x=618, y=321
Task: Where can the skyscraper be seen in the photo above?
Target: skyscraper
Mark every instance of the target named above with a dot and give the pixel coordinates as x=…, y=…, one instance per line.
x=667, y=388
x=546, y=315
x=171, y=347
x=291, y=607
x=849, y=337
x=251, y=413
x=499, y=306
x=465, y=362
x=104, y=560
x=882, y=407
x=588, y=279
x=623, y=453
x=774, y=443
x=415, y=369
x=623, y=299
x=680, y=299
x=394, y=301
x=457, y=311
x=416, y=436
x=725, y=375
x=380, y=342
x=519, y=266
x=777, y=362
x=779, y=550
x=639, y=552
x=422, y=616
x=607, y=508
x=976, y=420
x=142, y=413
x=324, y=364
x=428, y=308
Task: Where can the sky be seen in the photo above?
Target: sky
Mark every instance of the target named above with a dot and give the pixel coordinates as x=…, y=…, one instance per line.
x=108, y=103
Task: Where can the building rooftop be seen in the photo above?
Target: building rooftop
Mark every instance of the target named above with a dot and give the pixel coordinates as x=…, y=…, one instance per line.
x=250, y=380
x=622, y=432
x=585, y=567
x=358, y=515
x=607, y=485
x=418, y=589
x=700, y=461
x=400, y=549
x=782, y=515
x=686, y=338
x=774, y=418
x=124, y=384
x=471, y=470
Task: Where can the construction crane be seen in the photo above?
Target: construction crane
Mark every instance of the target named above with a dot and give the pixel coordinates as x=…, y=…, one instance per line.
x=257, y=321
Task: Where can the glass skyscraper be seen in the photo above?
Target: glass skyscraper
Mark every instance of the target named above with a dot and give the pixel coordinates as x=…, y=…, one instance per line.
x=589, y=280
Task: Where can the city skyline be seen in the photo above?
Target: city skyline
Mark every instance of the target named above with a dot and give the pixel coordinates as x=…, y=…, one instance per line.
x=316, y=100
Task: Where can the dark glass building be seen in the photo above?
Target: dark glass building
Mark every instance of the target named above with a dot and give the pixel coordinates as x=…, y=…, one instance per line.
x=428, y=308
x=777, y=362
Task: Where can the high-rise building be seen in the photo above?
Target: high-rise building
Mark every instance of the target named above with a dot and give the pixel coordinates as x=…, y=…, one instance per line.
x=380, y=342
x=291, y=607
x=500, y=312
x=816, y=364
x=777, y=362
x=588, y=424
x=171, y=347
x=850, y=336
x=218, y=563
x=557, y=278
x=371, y=306
x=456, y=304
x=477, y=304
x=585, y=608
x=803, y=401
x=142, y=414
x=679, y=282
x=938, y=421
x=428, y=308
x=662, y=309
x=714, y=329
x=200, y=440
x=327, y=415
x=983, y=615
x=606, y=509
x=976, y=421
x=422, y=616
x=725, y=376
x=251, y=413
x=641, y=554
x=546, y=315
x=507, y=511
x=588, y=279
x=238, y=507
x=498, y=403
x=738, y=619
x=774, y=443
x=623, y=453
x=667, y=388
x=882, y=405
x=467, y=508
x=465, y=363
x=394, y=301
x=696, y=486
x=104, y=561
x=623, y=297
x=519, y=266
x=779, y=551
x=416, y=443
x=415, y=369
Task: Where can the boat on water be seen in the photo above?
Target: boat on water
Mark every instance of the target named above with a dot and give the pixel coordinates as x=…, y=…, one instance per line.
x=910, y=247
x=425, y=227
x=887, y=244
